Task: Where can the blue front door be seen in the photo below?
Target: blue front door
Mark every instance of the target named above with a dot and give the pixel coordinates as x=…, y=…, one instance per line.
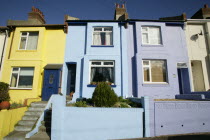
x=51, y=83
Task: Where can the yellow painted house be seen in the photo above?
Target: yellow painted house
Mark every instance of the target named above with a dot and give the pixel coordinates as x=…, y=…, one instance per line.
x=35, y=53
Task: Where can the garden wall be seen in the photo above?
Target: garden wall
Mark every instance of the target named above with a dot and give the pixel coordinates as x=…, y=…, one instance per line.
x=95, y=123
x=179, y=117
x=8, y=119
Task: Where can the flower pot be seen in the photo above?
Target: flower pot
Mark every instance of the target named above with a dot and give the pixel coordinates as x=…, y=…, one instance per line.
x=5, y=105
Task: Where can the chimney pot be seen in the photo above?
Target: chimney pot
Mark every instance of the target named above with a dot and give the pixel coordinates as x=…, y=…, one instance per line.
x=123, y=6
x=206, y=6
x=117, y=5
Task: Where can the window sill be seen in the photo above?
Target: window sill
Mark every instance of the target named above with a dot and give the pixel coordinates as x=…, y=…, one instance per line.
x=96, y=85
x=102, y=45
x=26, y=50
x=20, y=88
x=148, y=45
x=155, y=85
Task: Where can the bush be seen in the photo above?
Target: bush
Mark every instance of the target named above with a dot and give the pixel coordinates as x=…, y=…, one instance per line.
x=4, y=88
x=104, y=95
x=80, y=104
x=16, y=105
x=4, y=95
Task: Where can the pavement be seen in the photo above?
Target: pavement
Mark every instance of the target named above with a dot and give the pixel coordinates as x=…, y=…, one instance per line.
x=194, y=136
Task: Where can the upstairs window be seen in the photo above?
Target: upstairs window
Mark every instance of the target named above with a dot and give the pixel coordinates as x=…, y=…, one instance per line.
x=151, y=35
x=28, y=40
x=102, y=71
x=103, y=36
x=155, y=71
x=22, y=77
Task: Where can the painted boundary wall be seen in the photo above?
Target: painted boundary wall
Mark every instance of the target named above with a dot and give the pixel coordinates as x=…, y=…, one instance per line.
x=8, y=119
x=95, y=123
x=179, y=117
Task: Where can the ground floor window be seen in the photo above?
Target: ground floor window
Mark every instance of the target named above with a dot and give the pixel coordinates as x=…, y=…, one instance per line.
x=102, y=71
x=22, y=77
x=155, y=71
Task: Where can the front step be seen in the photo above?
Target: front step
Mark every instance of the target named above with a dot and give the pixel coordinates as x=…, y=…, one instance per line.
x=36, y=109
x=29, y=117
x=27, y=122
x=33, y=113
x=23, y=127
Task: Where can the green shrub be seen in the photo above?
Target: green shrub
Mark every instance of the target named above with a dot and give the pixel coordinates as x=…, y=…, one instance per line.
x=4, y=88
x=80, y=104
x=104, y=95
x=16, y=105
x=4, y=95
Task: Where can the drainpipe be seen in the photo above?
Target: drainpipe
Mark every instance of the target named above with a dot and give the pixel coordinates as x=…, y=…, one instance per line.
x=121, y=58
x=2, y=54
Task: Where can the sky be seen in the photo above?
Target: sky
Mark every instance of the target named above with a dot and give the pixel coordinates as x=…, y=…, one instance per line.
x=54, y=10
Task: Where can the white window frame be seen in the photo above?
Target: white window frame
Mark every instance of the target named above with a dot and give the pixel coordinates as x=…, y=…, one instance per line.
x=18, y=72
x=27, y=36
x=104, y=32
x=102, y=65
x=150, y=72
x=147, y=32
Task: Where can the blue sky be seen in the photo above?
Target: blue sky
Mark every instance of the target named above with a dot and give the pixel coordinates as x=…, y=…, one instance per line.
x=54, y=10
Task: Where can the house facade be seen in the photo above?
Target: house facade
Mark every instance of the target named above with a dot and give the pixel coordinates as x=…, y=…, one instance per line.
x=95, y=52
x=198, y=40
x=157, y=50
x=34, y=58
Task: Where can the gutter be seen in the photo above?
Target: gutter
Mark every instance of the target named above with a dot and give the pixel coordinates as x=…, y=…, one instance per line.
x=2, y=54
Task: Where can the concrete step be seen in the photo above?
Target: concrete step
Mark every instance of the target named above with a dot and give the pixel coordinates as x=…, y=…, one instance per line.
x=41, y=104
x=30, y=117
x=27, y=122
x=40, y=136
x=16, y=135
x=23, y=127
x=35, y=109
x=33, y=113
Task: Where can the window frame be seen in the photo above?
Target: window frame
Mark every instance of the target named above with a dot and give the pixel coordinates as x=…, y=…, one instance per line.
x=27, y=36
x=149, y=26
x=18, y=76
x=102, y=65
x=150, y=72
x=104, y=32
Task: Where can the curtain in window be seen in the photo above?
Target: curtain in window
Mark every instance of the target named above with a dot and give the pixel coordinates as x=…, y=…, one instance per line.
x=22, y=43
x=154, y=35
x=32, y=41
x=146, y=75
x=26, y=78
x=96, y=39
x=158, y=70
x=99, y=74
x=108, y=39
x=14, y=80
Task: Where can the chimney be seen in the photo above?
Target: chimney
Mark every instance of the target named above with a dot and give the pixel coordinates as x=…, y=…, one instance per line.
x=36, y=15
x=120, y=13
x=206, y=6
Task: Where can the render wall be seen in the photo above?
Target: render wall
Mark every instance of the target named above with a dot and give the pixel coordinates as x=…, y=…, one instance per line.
x=198, y=50
x=2, y=48
x=179, y=117
x=80, y=123
x=173, y=50
x=79, y=50
x=50, y=49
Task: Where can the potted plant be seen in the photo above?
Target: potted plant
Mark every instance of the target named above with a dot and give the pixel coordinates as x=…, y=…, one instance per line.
x=4, y=96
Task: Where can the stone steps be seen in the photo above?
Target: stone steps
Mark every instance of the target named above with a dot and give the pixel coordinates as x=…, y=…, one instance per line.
x=28, y=121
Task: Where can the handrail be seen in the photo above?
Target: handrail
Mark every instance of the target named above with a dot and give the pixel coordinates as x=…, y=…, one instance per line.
x=41, y=118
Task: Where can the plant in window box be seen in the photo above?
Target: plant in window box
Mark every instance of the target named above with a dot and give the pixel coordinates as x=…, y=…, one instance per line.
x=4, y=96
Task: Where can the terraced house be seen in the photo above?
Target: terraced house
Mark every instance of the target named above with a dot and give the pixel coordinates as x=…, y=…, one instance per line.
x=34, y=57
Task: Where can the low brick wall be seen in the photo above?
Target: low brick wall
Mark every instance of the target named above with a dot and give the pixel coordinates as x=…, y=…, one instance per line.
x=179, y=117
x=8, y=119
x=79, y=123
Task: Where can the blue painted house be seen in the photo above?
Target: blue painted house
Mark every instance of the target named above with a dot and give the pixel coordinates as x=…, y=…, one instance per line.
x=96, y=50
x=157, y=58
